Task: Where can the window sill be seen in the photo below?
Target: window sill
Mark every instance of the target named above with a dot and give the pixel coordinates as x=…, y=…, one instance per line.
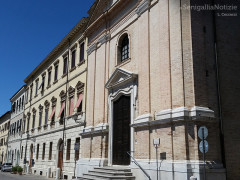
x=64, y=75
x=123, y=62
x=48, y=86
x=82, y=62
x=73, y=68
x=55, y=81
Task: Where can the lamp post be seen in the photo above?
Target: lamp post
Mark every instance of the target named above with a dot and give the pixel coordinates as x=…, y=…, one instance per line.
x=156, y=143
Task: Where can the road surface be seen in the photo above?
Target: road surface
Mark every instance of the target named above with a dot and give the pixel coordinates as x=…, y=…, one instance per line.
x=9, y=176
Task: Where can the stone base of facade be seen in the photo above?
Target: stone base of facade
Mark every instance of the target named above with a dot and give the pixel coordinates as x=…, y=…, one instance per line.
x=168, y=170
x=177, y=170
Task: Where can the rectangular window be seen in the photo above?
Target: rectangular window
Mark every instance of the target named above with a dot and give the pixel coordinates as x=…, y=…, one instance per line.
x=33, y=122
x=28, y=119
x=65, y=62
x=82, y=52
x=77, y=151
x=36, y=91
x=31, y=89
x=49, y=77
x=79, y=103
x=17, y=126
x=71, y=101
x=43, y=151
x=68, y=149
x=40, y=118
x=56, y=73
x=43, y=82
x=20, y=125
x=27, y=91
x=46, y=116
x=22, y=152
x=73, y=58
x=37, y=151
x=22, y=101
x=13, y=107
x=50, y=151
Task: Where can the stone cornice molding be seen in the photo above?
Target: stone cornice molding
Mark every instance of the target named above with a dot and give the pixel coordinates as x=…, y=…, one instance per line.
x=195, y=114
x=91, y=48
x=142, y=7
x=101, y=128
x=104, y=38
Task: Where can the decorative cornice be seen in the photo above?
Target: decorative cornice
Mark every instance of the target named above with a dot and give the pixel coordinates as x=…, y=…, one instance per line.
x=101, y=128
x=142, y=7
x=92, y=48
x=175, y=115
x=104, y=38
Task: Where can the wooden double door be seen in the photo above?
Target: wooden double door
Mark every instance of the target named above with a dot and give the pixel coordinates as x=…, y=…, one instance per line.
x=121, y=131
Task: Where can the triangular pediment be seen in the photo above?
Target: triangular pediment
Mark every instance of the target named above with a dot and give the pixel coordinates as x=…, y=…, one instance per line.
x=120, y=77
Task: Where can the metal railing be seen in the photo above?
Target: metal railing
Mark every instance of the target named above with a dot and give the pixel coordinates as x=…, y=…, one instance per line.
x=137, y=164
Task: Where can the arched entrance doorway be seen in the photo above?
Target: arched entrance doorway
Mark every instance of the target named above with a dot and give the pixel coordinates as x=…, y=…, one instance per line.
x=60, y=155
x=121, y=130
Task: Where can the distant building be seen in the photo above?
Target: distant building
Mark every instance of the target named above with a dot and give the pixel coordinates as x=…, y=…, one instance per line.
x=4, y=127
x=15, y=130
x=55, y=107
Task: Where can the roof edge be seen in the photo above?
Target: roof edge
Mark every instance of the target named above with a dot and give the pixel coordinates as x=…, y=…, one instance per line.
x=73, y=32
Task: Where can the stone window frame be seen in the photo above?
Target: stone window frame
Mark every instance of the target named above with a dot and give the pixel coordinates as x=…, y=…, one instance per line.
x=71, y=94
x=82, y=61
x=36, y=86
x=43, y=82
x=56, y=71
x=80, y=90
x=65, y=66
x=40, y=107
x=119, y=61
x=31, y=91
x=26, y=95
x=62, y=95
x=49, y=77
x=28, y=121
x=33, y=119
x=47, y=105
x=54, y=103
x=73, y=49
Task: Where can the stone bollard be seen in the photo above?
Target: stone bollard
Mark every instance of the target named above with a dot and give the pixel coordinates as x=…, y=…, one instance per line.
x=48, y=172
x=193, y=178
x=58, y=173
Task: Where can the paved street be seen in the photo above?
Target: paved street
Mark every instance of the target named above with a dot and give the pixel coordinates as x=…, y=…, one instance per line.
x=9, y=176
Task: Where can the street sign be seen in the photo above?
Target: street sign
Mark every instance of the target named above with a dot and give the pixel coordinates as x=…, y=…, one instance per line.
x=201, y=146
x=76, y=146
x=202, y=131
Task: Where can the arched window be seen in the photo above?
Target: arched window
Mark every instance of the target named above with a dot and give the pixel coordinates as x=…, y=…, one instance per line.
x=124, y=48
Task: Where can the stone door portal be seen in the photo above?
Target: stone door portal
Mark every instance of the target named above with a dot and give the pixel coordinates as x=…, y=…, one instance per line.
x=121, y=131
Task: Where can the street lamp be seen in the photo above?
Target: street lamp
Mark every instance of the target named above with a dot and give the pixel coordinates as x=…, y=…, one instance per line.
x=156, y=143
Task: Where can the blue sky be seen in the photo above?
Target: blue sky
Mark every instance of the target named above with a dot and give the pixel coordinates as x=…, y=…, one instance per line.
x=29, y=30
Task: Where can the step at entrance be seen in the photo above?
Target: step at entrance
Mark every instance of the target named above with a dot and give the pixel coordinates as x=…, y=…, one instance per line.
x=108, y=173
